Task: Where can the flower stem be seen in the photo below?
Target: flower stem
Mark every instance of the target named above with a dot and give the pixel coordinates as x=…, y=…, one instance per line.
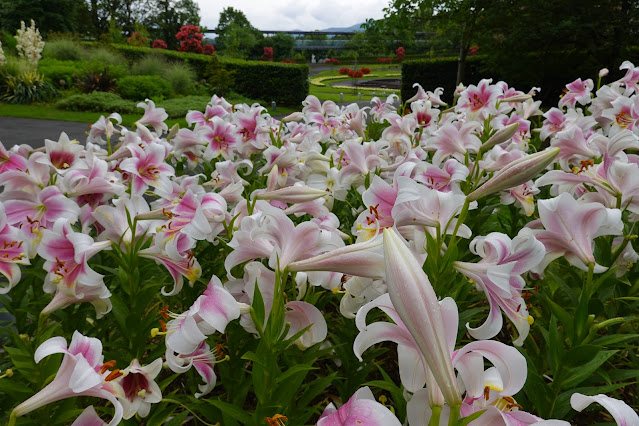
x=454, y=416
x=434, y=417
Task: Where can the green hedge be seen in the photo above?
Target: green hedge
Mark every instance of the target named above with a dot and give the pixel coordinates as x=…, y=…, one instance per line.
x=287, y=84
x=102, y=102
x=440, y=72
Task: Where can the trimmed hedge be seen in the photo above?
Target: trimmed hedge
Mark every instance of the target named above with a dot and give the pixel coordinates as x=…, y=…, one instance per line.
x=439, y=72
x=286, y=84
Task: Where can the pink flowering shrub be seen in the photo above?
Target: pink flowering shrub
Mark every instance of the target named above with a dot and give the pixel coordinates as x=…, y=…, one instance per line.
x=159, y=44
x=190, y=39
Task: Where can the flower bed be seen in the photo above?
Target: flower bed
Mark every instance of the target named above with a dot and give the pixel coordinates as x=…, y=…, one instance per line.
x=290, y=234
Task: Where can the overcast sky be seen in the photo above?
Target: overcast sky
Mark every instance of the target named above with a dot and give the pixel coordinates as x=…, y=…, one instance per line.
x=307, y=15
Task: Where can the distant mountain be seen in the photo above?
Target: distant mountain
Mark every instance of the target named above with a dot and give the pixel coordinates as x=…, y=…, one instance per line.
x=356, y=27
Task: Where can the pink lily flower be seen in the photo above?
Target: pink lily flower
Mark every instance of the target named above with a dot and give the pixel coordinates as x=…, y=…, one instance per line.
x=620, y=411
x=221, y=136
x=425, y=115
x=199, y=118
x=313, y=105
x=498, y=275
x=98, y=296
x=624, y=114
x=419, y=205
x=359, y=160
x=66, y=253
x=211, y=312
x=523, y=132
x=92, y=184
x=300, y=315
x=82, y=373
x=153, y=116
x=478, y=102
x=202, y=359
x=381, y=110
x=62, y=155
x=139, y=388
x=114, y=223
x=89, y=418
x=571, y=226
x=11, y=161
x=521, y=196
x=361, y=408
x=578, y=91
x=147, y=167
x=452, y=141
x=188, y=144
x=445, y=178
x=416, y=304
x=104, y=126
x=12, y=252
x=631, y=79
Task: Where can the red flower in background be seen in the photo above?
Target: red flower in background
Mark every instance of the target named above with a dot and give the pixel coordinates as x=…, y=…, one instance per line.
x=159, y=44
x=268, y=54
x=190, y=39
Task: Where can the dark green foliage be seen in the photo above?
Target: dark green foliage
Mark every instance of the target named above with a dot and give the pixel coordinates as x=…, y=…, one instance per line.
x=63, y=50
x=25, y=88
x=179, y=107
x=140, y=87
x=9, y=43
x=287, y=84
x=50, y=15
x=59, y=73
x=98, y=102
x=441, y=72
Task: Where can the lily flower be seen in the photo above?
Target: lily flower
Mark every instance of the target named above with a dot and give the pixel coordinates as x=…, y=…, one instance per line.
x=498, y=275
x=202, y=359
x=147, y=167
x=578, y=91
x=153, y=116
x=139, y=388
x=82, y=373
x=570, y=227
x=620, y=411
x=361, y=408
x=12, y=252
x=416, y=304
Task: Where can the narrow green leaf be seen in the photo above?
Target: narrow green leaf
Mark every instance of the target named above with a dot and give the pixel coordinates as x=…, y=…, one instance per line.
x=579, y=374
x=232, y=411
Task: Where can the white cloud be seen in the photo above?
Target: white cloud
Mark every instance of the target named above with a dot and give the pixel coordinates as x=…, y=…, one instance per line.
x=307, y=15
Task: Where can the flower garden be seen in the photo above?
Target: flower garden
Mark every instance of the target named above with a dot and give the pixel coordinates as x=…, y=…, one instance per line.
x=420, y=264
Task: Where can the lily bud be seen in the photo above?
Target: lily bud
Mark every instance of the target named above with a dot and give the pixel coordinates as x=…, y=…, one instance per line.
x=517, y=98
x=416, y=303
x=603, y=72
x=173, y=131
x=294, y=116
x=293, y=194
x=518, y=172
x=501, y=136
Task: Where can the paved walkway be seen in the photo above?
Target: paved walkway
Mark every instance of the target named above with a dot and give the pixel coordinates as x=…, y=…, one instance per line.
x=17, y=131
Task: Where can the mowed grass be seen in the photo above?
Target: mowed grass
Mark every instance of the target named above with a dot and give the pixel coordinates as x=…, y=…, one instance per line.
x=321, y=84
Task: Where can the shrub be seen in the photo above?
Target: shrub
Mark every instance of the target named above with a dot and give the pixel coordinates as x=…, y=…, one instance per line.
x=343, y=71
x=26, y=88
x=399, y=54
x=181, y=78
x=219, y=78
x=268, y=54
x=190, y=39
x=138, y=39
x=159, y=44
x=150, y=65
x=59, y=73
x=365, y=70
x=9, y=43
x=140, y=87
x=97, y=102
x=63, y=50
x=178, y=107
x=208, y=49
x=104, y=55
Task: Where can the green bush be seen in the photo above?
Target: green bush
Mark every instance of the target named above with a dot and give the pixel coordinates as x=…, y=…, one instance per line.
x=181, y=78
x=151, y=64
x=64, y=50
x=56, y=71
x=140, y=87
x=9, y=43
x=98, y=102
x=287, y=84
x=179, y=107
x=25, y=88
x=104, y=55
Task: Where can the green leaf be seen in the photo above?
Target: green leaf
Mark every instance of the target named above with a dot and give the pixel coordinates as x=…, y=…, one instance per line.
x=258, y=308
x=316, y=387
x=564, y=317
x=231, y=410
x=464, y=421
x=579, y=374
x=294, y=370
x=177, y=420
x=580, y=355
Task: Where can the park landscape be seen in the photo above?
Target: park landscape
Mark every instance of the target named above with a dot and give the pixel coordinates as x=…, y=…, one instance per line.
x=255, y=235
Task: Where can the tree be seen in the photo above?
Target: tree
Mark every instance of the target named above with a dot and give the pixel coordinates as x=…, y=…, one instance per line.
x=236, y=37
x=164, y=18
x=50, y=15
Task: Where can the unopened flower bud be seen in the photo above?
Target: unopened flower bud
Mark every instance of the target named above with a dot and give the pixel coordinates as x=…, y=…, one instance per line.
x=293, y=194
x=294, y=116
x=603, y=72
x=517, y=98
x=173, y=131
x=501, y=136
x=518, y=172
